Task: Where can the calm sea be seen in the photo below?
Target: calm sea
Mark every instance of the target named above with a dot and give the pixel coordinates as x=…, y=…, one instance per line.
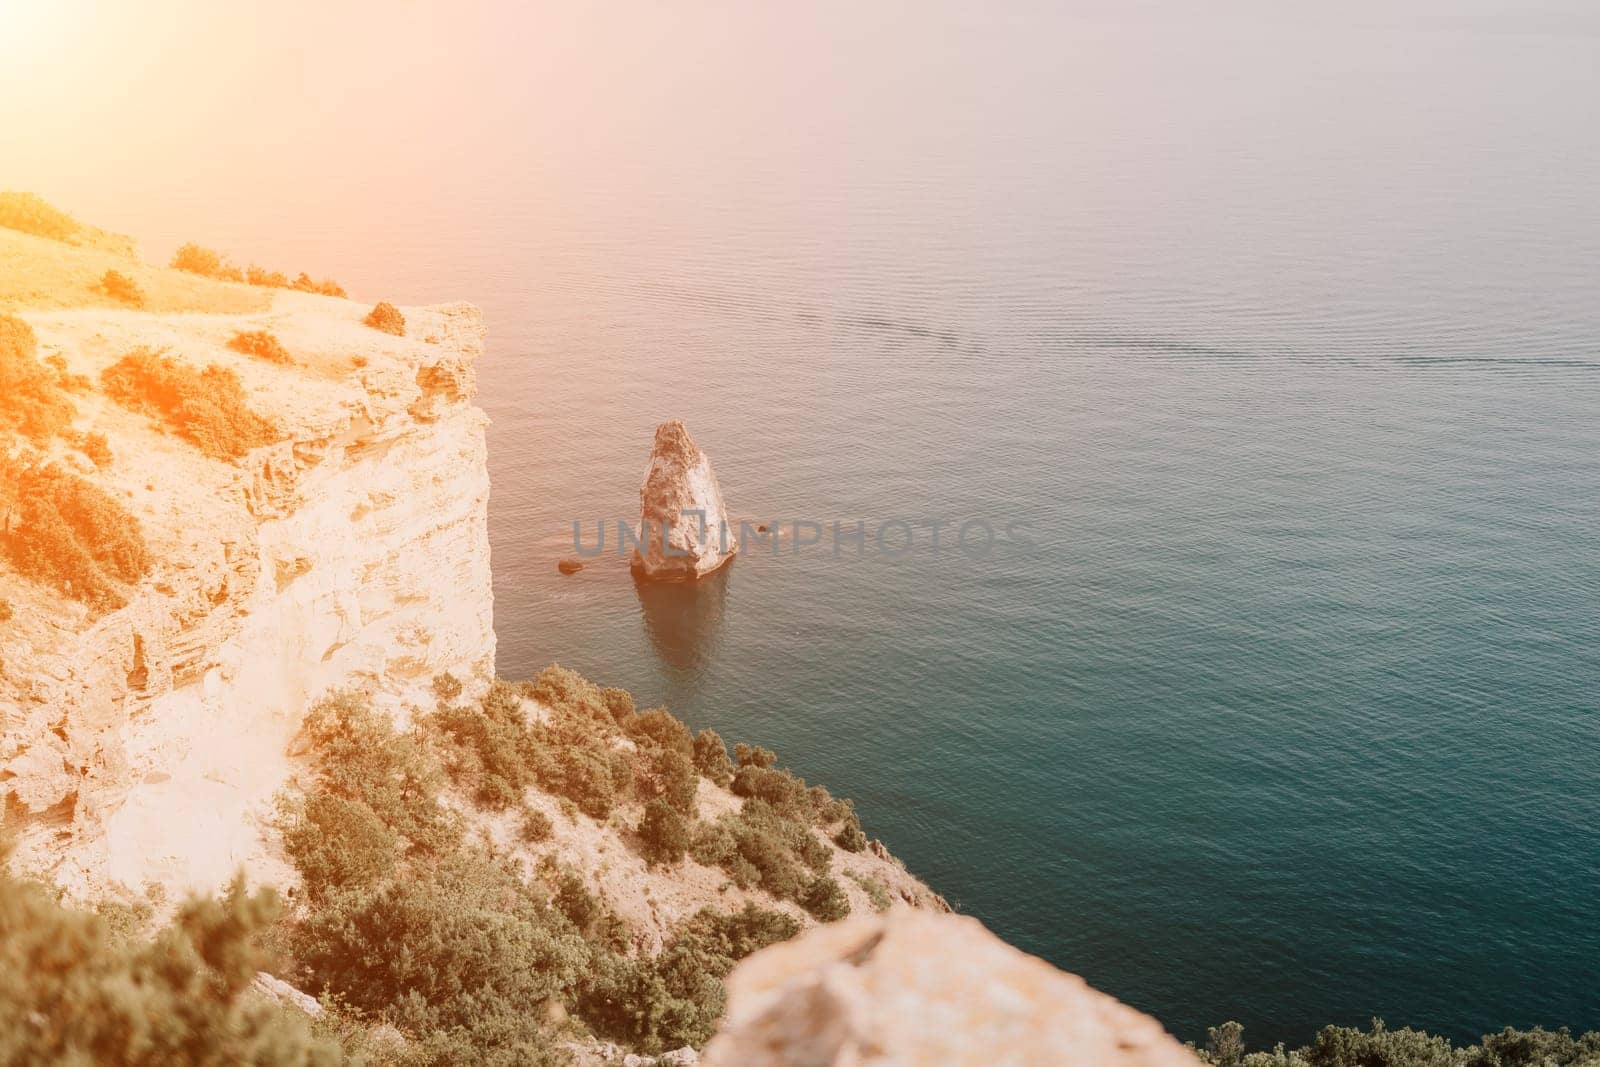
x=1276, y=327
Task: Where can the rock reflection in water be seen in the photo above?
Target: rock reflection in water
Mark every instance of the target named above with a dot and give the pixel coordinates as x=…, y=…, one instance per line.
x=684, y=620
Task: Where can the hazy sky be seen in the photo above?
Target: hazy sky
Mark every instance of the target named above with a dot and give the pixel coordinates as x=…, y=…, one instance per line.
x=257, y=126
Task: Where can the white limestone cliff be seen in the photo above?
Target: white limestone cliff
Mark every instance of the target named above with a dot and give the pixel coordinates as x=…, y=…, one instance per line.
x=680, y=497
x=922, y=989
x=147, y=745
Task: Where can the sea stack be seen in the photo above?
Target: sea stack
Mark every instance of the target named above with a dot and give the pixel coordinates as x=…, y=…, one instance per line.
x=680, y=495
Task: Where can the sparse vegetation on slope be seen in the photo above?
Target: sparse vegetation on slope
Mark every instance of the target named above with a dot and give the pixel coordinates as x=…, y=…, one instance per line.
x=33, y=402
x=411, y=918
x=72, y=990
x=28, y=213
x=66, y=532
x=207, y=407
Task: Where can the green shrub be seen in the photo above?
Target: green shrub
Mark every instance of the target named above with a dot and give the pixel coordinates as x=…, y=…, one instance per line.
x=32, y=402
x=851, y=839
x=193, y=259
x=573, y=899
x=386, y=318
x=68, y=533
x=824, y=899
x=711, y=758
x=534, y=826
x=361, y=758
x=433, y=934
x=326, y=287
x=758, y=847
x=585, y=775
x=620, y=703
x=490, y=749
x=656, y=726
x=754, y=756
x=1379, y=1046
x=675, y=998
x=460, y=944
x=96, y=447
x=780, y=789
x=664, y=834
x=73, y=991
x=271, y=279
x=118, y=286
x=260, y=344
x=667, y=774
x=447, y=688
x=206, y=408
x=337, y=843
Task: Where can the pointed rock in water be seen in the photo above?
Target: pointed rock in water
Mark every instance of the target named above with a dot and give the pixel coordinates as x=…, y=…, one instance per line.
x=680, y=493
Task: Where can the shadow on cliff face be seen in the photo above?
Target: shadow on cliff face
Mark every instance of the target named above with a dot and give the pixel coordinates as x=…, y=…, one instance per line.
x=684, y=621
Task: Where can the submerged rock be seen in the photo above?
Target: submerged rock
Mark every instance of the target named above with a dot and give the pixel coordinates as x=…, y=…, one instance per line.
x=680, y=497
x=569, y=566
x=914, y=989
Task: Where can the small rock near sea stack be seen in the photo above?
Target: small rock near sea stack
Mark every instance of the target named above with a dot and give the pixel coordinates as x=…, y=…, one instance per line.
x=569, y=566
x=681, y=498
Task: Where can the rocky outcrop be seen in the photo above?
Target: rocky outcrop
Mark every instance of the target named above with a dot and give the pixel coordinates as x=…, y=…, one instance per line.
x=147, y=745
x=683, y=526
x=917, y=989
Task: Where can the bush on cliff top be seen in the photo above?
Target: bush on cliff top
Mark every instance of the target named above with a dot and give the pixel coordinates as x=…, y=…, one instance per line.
x=193, y=259
x=386, y=318
x=207, y=408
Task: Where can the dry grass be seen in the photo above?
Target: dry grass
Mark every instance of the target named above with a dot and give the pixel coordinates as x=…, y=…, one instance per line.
x=386, y=317
x=39, y=273
x=30, y=214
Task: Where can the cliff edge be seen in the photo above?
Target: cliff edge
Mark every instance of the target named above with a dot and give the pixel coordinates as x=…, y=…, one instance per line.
x=145, y=743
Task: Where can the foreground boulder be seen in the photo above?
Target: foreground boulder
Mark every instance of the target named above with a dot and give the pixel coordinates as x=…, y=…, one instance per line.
x=917, y=989
x=680, y=497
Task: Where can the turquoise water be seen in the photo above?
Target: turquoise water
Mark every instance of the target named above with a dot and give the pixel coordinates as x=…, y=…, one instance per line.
x=1276, y=326
x=1292, y=712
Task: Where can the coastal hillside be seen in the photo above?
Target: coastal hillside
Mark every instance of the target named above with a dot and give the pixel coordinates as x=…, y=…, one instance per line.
x=245, y=584
x=221, y=500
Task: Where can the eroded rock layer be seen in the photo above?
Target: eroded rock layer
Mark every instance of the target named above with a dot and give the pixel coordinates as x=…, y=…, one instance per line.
x=921, y=989
x=147, y=744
